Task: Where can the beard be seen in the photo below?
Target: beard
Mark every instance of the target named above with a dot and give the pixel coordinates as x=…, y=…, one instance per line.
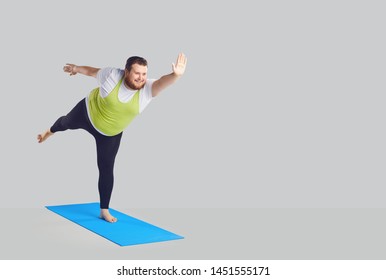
x=134, y=85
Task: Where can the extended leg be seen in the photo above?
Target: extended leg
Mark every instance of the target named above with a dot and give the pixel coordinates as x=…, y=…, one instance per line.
x=75, y=119
x=43, y=136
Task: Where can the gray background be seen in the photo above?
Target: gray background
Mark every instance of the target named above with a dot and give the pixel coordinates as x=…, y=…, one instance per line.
x=281, y=106
x=280, y=112
x=209, y=234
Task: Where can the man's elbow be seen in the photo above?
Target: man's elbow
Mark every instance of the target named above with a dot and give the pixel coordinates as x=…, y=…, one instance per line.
x=154, y=93
x=94, y=72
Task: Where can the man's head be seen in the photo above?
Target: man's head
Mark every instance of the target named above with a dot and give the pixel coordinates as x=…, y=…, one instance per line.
x=136, y=72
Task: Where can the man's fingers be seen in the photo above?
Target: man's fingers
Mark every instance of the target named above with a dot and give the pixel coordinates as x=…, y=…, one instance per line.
x=182, y=58
x=68, y=67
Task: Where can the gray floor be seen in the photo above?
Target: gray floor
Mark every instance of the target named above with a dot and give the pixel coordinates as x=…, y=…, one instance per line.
x=220, y=234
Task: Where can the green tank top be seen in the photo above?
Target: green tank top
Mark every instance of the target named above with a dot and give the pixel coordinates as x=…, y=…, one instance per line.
x=109, y=115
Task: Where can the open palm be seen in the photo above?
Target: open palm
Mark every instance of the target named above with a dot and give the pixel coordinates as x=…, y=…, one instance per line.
x=180, y=65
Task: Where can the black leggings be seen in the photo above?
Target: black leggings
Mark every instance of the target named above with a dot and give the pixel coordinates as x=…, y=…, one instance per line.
x=107, y=148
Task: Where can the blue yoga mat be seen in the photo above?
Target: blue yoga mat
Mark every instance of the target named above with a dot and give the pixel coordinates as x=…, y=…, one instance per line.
x=127, y=231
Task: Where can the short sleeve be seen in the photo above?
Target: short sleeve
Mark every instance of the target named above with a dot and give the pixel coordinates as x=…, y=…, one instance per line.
x=108, y=78
x=103, y=74
x=146, y=94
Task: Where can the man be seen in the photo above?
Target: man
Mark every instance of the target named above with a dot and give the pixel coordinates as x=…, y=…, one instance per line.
x=109, y=109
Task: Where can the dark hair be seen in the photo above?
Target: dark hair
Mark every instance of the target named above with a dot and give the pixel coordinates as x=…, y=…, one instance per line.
x=135, y=60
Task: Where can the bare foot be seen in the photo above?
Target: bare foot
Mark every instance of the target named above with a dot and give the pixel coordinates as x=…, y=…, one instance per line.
x=105, y=214
x=42, y=137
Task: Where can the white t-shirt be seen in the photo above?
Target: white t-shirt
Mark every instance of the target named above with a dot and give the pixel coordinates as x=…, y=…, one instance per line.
x=109, y=77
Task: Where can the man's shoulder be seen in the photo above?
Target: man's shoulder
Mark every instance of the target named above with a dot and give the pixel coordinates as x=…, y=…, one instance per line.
x=108, y=73
x=113, y=71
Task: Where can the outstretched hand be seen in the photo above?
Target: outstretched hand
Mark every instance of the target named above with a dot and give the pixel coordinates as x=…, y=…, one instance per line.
x=70, y=68
x=180, y=65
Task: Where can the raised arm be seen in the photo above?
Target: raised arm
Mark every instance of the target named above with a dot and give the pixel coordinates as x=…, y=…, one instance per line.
x=169, y=79
x=85, y=70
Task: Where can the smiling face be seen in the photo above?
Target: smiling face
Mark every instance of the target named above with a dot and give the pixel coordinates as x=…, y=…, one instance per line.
x=136, y=77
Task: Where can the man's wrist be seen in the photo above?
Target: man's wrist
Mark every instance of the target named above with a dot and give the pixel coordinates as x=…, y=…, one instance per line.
x=174, y=74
